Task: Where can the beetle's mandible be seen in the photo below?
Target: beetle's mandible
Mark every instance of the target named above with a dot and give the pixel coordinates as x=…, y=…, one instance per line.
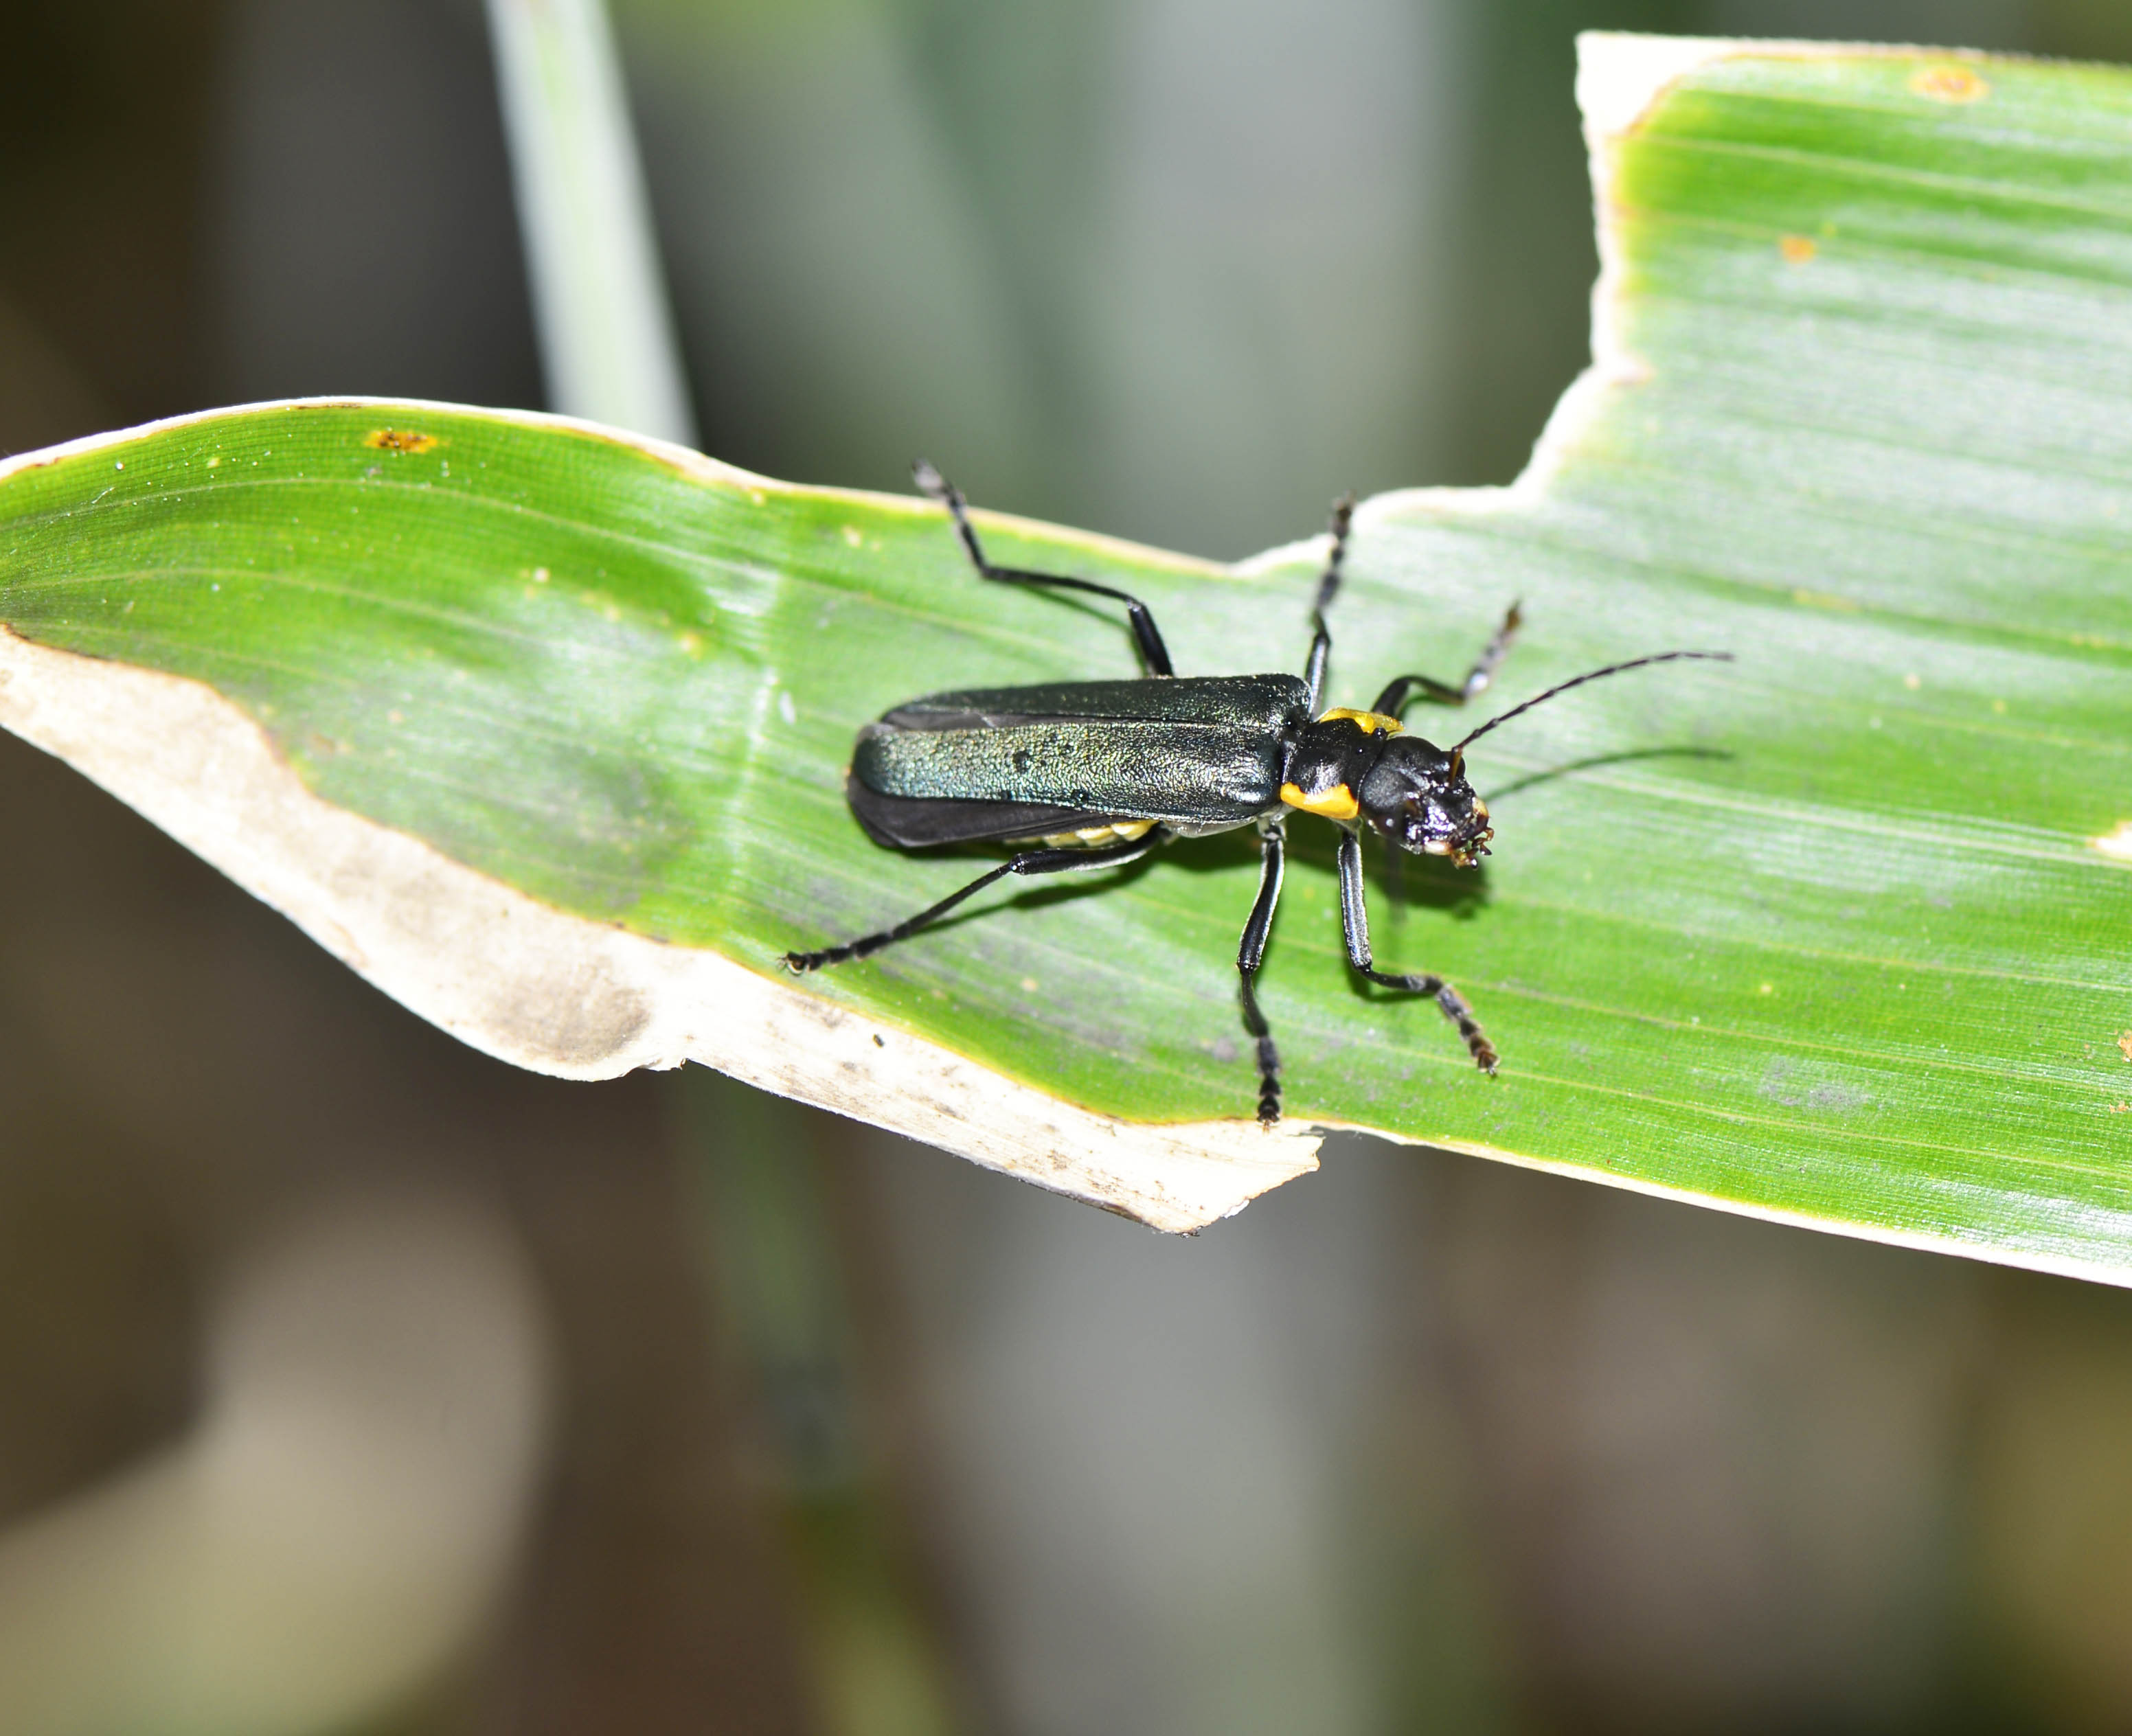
x=1089, y=774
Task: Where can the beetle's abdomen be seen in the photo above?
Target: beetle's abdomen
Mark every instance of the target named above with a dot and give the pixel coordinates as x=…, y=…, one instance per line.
x=1193, y=773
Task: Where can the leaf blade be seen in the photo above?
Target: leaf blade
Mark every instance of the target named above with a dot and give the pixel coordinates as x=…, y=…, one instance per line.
x=1823, y=935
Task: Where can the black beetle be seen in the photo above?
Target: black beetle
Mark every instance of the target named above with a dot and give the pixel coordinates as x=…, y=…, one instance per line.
x=1096, y=773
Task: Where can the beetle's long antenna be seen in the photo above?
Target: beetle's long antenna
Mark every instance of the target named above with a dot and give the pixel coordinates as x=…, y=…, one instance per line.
x=1611, y=669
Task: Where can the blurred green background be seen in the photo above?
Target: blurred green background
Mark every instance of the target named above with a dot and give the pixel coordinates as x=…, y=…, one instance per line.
x=494, y=1404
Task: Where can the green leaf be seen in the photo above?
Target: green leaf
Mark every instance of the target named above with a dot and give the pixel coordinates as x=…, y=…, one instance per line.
x=1835, y=933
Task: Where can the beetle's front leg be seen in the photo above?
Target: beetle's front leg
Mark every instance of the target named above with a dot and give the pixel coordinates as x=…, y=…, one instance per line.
x=1250, y=952
x=1355, y=926
x=1392, y=702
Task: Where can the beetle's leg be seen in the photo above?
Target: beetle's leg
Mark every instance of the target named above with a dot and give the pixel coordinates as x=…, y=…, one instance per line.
x=1355, y=926
x=1152, y=652
x=1028, y=862
x=1328, y=587
x=1393, y=700
x=1250, y=951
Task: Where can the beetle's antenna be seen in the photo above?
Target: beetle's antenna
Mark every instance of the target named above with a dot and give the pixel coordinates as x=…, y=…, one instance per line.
x=1611, y=669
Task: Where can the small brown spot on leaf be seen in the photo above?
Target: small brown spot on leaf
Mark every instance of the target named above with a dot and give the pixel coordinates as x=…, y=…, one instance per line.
x=1948, y=85
x=405, y=441
x=1797, y=249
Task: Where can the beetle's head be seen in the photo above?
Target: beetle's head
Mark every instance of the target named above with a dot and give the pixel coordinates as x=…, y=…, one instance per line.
x=1417, y=796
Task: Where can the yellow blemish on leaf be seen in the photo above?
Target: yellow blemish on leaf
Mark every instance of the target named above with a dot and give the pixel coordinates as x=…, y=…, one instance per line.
x=1767, y=988
x=406, y=441
x=2000, y=707
x=692, y=644
x=539, y=575
x=854, y=536
x=2124, y=1044
x=2117, y=843
x=1911, y=683
x=1028, y=986
x=1948, y=85
x=1797, y=249
x=1825, y=600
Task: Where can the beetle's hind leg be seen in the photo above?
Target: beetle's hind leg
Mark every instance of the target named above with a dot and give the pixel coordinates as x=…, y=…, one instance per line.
x=1028, y=862
x=1250, y=954
x=1355, y=926
x=1394, y=699
x=1152, y=652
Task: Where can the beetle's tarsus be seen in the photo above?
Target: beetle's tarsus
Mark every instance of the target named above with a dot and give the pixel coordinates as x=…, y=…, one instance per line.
x=1328, y=587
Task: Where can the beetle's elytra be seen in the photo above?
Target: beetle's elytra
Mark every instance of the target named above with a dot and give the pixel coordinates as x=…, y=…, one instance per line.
x=1089, y=774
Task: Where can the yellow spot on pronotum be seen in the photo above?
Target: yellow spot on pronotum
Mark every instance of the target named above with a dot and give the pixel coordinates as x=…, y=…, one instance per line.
x=1948, y=85
x=1370, y=724
x=406, y=441
x=1338, y=804
x=854, y=536
x=1797, y=249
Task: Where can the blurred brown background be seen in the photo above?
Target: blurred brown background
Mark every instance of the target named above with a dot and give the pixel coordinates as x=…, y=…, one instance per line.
x=351, y=1382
